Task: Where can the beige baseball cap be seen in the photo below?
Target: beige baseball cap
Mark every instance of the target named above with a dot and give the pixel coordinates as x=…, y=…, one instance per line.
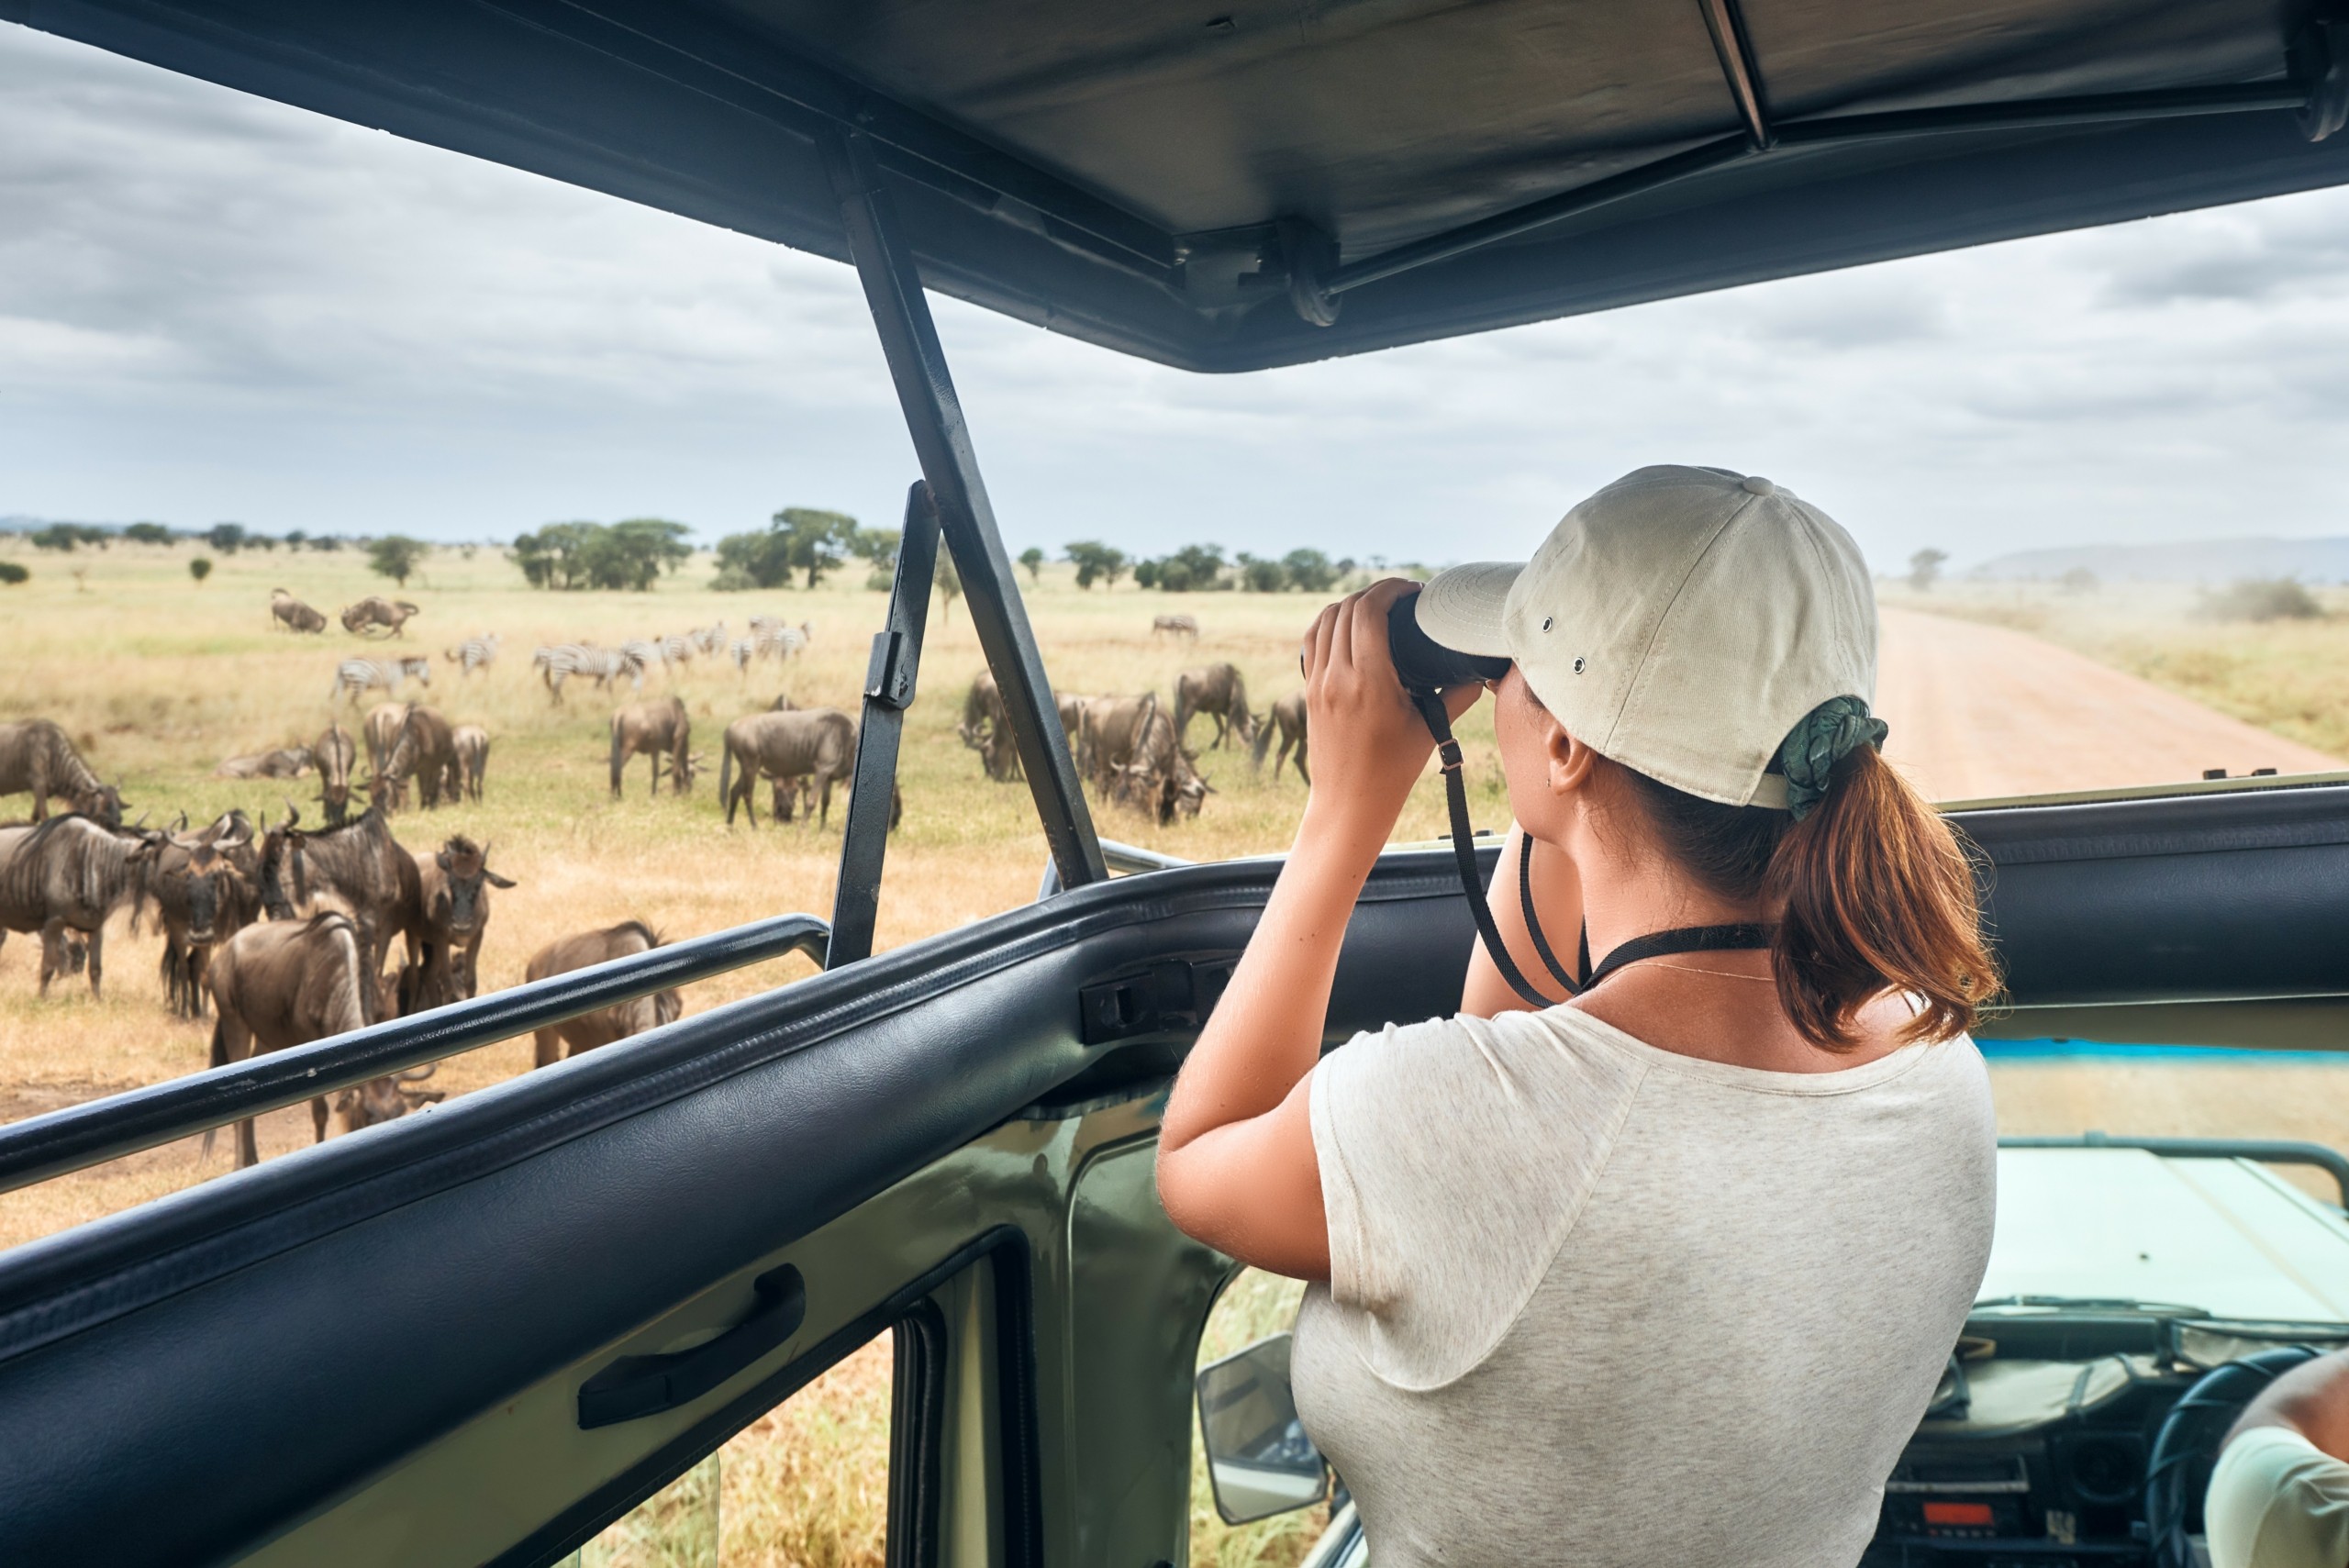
x=1681, y=622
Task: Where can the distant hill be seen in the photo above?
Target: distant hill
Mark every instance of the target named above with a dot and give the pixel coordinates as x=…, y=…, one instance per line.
x=2198, y=560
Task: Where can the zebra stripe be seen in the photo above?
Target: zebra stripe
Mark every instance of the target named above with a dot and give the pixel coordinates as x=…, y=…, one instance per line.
x=474, y=653
x=357, y=676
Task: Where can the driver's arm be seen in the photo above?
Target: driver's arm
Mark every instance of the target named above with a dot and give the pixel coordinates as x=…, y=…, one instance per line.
x=2279, y=1497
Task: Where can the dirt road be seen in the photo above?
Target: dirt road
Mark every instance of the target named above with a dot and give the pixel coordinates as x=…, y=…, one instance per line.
x=1979, y=710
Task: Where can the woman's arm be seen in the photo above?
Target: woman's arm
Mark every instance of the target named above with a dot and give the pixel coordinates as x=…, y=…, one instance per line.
x=1557, y=903
x=1235, y=1165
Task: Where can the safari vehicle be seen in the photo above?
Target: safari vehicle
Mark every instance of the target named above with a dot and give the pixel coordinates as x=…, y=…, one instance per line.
x=483, y=1335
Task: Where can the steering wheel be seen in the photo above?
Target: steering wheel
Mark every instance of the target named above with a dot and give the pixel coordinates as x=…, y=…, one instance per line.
x=2190, y=1433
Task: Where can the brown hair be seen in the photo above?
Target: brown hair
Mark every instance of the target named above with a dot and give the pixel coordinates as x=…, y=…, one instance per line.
x=1876, y=890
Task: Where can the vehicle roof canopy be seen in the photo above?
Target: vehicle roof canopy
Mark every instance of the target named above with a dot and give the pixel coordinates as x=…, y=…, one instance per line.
x=1209, y=182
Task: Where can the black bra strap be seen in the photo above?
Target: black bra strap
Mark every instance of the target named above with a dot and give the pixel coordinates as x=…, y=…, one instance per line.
x=1687, y=939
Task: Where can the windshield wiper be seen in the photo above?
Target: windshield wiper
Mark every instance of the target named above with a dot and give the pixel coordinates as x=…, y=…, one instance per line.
x=2095, y=1304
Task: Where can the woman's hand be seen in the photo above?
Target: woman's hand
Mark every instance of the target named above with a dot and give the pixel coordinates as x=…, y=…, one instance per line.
x=1370, y=745
x=1236, y=1163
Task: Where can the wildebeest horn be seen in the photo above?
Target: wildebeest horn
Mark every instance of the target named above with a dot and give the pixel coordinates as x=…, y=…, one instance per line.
x=416, y=1074
x=292, y=815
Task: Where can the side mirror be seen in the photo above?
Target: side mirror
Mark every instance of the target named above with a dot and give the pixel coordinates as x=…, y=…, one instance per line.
x=1260, y=1462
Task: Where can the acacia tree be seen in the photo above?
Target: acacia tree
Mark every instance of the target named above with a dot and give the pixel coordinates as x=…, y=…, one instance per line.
x=200, y=568
x=395, y=556
x=1032, y=558
x=1925, y=568
x=1094, y=562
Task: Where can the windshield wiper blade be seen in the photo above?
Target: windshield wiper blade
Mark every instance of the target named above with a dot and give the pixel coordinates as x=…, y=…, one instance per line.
x=2096, y=1303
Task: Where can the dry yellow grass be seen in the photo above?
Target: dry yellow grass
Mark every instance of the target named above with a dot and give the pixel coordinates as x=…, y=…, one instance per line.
x=158, y=680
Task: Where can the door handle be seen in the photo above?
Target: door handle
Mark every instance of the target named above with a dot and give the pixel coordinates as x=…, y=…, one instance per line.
x=636, y=1387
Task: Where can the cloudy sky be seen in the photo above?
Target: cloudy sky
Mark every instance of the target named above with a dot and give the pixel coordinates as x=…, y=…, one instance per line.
x=212, y=307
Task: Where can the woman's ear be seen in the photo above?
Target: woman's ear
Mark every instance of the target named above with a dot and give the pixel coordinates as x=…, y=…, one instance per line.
x=1570, y=762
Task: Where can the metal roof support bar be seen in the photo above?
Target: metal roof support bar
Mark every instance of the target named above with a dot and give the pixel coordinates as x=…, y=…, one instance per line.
x=1726, y=21
x=893, y=291
x=2103, y=109
x=49, y=1145
x=889, y=681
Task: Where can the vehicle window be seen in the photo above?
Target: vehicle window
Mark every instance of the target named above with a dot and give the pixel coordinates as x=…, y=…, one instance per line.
x=2070, y=1088
x=805, y=1485
x=1254, y=1305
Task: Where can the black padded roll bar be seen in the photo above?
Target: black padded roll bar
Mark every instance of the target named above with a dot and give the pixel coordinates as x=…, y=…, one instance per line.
x=40, y=1147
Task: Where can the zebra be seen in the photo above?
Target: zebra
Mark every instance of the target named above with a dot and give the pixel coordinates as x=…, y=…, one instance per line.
x=772, y=639
x=678, y=647
x=475, y=652
x=638, y=656
x=740, y=650
x=357, y=676
x=601, y=665
x=710, y=640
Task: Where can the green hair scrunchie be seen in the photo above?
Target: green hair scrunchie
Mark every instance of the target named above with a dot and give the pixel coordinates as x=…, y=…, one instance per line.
x=1828, y=734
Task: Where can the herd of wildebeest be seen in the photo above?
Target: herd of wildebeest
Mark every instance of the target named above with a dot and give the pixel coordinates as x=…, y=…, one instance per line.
x=286, y=932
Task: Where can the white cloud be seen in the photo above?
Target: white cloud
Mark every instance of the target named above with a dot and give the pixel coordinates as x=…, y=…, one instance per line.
x=211, y=306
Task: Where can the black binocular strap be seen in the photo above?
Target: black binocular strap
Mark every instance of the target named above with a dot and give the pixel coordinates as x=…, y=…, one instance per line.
x=1463, y=849
x=1744, y=937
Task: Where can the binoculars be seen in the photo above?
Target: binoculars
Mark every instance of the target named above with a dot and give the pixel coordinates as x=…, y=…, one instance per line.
x=1425, y=665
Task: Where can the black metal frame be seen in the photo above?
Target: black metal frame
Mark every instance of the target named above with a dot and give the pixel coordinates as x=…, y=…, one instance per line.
x=892, y=289
x=890, y=677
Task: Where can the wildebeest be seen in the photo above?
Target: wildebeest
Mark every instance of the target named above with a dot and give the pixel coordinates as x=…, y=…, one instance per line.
x=356, y=677
x=335, y=756
x=286, y=762
x=387, y=1098
x=361, y=867
x=452, y=885
x=473, y=756
x=282, y=984
x=605, y=1024
x=36, y=758
x=1288, y=716
x=1217, y=691
x=797, y=796
x=473, y=653
x=1158, y=778
x=204, y=888
x=426, y=751
x=375, y=613
x=1108, y=730
x=382, y=731
x=291, y=613
x=68, y=873
x=650, y=728
x=985, y=727
x=819, y=742
x=1175, y=626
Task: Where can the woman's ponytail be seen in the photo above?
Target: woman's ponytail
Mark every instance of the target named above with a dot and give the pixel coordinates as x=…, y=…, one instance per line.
x=1872, y=889
x=1876, y=894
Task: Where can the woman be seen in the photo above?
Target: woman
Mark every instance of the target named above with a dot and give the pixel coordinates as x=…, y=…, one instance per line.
x=1665, y=1273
